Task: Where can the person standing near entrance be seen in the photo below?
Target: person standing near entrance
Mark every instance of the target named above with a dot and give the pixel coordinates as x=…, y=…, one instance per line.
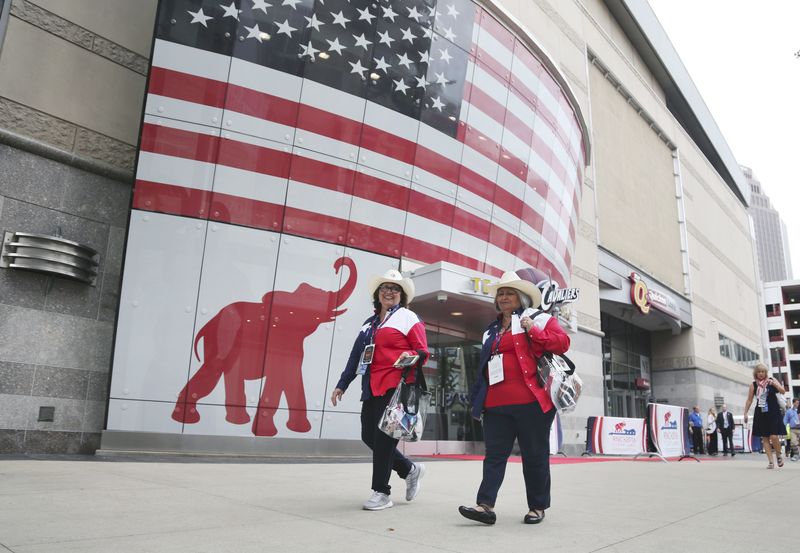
x=394, y=332
x=767, y=417
x=792, y=418
x=725, y=427
x=711, y=431
x=696, y=424
x=509, y=399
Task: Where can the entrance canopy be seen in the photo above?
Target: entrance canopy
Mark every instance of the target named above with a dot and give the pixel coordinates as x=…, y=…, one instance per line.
x=452, y=297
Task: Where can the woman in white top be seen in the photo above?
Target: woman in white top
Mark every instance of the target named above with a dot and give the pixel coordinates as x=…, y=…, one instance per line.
x=711, y=431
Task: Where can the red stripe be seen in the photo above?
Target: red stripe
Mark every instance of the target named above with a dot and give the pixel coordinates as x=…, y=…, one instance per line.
x=388, y=144
x=381, y=191
x=374, y=239
x=179, y=143
x=494, y=66
x=487, y=104
x=477, y=183
x=439, y=165
x=262, y=105
x=187, y=87
x=246, y=212
x=322, y=122
x=430, y=208
x=167, y=198
x=250, y=157
x=315, y=225
x=321, y=174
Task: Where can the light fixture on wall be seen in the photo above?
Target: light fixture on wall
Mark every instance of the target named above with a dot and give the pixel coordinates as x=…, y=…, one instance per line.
x=51, y=255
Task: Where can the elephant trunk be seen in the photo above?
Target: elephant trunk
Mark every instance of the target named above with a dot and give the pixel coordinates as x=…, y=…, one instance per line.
x=347, y=288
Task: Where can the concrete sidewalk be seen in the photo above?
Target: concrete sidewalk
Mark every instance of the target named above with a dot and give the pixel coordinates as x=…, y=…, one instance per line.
x=734, y=505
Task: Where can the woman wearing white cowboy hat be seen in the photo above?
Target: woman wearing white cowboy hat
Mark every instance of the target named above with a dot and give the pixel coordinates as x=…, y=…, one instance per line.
x=510, y=399
x=392, y=333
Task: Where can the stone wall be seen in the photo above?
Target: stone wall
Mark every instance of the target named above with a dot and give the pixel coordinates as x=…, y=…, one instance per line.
x=68, y=133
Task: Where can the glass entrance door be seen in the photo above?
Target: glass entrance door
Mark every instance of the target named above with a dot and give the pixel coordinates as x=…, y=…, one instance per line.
x=450, y=373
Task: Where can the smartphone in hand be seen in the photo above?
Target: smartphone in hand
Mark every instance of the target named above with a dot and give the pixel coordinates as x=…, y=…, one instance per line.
x=407, y=361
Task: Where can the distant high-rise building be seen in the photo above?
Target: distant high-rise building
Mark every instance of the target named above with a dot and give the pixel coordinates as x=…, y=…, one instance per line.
x=772, y=242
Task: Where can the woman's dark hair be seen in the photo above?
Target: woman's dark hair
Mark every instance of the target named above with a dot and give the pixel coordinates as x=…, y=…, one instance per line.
x=376, y=302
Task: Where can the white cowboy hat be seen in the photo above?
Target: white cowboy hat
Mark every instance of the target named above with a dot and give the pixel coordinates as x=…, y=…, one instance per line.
x=393, y=276
x=510, y=279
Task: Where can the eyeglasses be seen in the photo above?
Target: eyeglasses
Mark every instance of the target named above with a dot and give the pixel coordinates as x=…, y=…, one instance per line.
x=392, y=288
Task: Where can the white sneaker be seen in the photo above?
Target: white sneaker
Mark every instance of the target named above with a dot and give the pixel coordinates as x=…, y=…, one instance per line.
x=413, y=480
x=378, y=502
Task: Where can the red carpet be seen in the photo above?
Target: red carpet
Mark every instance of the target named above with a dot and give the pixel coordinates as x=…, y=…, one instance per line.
x=559, y=460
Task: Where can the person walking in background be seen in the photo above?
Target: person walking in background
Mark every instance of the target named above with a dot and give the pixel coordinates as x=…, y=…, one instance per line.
x=792, y=418
x=696, y=425
x=767, y=418
x=711, y=431
x=393, y=333
x=725, y=427
x=509, y=398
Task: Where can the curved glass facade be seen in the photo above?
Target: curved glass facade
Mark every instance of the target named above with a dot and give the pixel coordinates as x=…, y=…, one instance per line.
x=291, y=150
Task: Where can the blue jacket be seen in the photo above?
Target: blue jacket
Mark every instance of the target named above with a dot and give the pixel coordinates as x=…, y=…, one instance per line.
x=349, y=372
x=791, y=418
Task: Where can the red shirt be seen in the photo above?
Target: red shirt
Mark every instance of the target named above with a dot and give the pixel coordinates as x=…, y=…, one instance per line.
x=512, y=390
x=403, y=331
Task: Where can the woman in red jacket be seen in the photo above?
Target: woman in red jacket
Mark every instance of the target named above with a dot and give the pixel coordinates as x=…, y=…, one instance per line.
x=511, y=400
x=392, y=333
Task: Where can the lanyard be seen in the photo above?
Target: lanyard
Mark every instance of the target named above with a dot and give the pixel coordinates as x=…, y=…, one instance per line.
x=499, y=336
x=374, y=327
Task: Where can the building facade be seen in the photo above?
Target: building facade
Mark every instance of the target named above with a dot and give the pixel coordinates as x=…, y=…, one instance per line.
x=256, y=164
x=782, y=310
x=772, y=241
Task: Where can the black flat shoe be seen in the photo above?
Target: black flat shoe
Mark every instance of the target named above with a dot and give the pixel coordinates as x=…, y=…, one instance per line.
x=486, y=517
x=533, y=518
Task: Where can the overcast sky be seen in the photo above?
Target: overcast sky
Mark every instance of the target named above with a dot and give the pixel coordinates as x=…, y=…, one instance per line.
x=740, y=54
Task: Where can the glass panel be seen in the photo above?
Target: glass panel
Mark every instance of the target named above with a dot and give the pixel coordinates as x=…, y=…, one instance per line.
x=450, y=373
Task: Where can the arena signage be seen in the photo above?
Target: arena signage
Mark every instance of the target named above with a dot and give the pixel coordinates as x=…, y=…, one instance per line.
x=644, y=298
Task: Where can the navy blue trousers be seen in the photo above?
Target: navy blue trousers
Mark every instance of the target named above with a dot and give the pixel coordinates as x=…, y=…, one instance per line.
x=531, y=428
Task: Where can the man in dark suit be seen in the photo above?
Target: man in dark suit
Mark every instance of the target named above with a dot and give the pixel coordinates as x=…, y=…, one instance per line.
x=725, y=426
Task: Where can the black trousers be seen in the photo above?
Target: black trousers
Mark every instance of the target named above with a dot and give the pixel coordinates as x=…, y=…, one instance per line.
x=712, y=442
x=697, y=439
x=727, y=438
x=531, y=428
x=385, y=456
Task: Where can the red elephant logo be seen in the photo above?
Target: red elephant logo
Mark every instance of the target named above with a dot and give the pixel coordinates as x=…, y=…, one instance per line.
x=667, y=416
x=619, y=427
x=251, y=340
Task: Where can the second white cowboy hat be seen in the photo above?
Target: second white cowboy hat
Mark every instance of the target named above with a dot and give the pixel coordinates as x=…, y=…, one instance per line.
x=511, y=279
x=393, y=276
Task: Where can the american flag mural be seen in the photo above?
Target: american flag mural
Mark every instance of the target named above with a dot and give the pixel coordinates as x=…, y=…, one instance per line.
x=411, y=128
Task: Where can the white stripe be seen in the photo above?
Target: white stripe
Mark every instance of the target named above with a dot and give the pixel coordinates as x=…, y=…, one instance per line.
x=373, y=214
x=386, y=164
x=488, y=83
x=263, y=79
x=325, y=145
x=489, y=44
x=505, y=220
x=440, y=143
x=318, y=200
x=476, y=203
x=262, y=128
x=479, y=163
x=163, y=106
x=182, y=125
x=175, y=170
x=484, y=124
x=387, y=119
x=434, y=182
x=248, y=184
x=332, y=100
x=468, y=245
x=319, y=156
x=194, y=61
